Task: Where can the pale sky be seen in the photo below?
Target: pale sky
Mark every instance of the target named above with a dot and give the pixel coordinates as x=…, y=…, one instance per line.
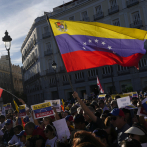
x=17, y=17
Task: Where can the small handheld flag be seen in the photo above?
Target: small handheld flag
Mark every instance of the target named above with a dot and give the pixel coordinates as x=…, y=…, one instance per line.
x=99, y=85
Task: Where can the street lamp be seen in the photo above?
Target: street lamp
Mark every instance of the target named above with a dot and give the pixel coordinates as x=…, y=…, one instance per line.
x=7, y=41
x=54, y=66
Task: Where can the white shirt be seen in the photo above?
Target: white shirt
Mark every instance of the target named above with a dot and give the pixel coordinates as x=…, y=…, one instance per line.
x=13, y=140
x=51, y=143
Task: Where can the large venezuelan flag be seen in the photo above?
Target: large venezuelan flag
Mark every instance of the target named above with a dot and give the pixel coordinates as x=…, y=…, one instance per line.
x=85, y=45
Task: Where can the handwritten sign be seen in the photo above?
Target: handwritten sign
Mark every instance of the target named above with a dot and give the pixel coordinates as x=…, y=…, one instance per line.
x=56, y=104
x=62, y=129
x=22, y=110
x=42, y=110
x=122, y=102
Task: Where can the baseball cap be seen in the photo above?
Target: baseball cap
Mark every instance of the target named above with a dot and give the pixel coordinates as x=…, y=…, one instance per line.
x=137, y=129
x=8, y=121
x=73, y=109
x=78, y=118
x=117, y=112
x=22, y=133
x=69, y=118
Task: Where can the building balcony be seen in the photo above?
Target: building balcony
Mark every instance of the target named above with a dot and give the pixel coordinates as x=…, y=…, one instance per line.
x=65, y=82
x=80, y=1
x=131, y=3
x=143, y=68
x=53, y=85
x=113, y=10
x=86, y=19
x=31, y=62
x=46, y=35
x=50, y=72
x=48, y=53
x=92, y=78
x=79, y=80
x=31, y=79
x=108, y=75
x=136, y=24
x=123, y=72
x=98, y=16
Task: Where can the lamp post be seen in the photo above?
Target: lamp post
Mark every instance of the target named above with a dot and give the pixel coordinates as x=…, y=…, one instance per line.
x=54, y=66
x=7, y=41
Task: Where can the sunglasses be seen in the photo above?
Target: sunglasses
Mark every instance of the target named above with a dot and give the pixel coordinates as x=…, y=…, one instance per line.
x=113, y=118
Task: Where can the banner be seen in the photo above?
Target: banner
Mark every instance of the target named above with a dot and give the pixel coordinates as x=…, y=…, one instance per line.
x=144, y=104
x=22, y=110
x=121, y=95
x=7, y=106
x=123, y=102
x=42, y=110
x=56, y=104
x=102, y=96
x=62, y=129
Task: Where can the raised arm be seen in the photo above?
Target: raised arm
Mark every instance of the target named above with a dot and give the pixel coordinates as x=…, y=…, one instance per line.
x=84, y=107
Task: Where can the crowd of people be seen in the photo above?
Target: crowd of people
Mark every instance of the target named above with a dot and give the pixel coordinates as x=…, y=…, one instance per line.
x=92, y=123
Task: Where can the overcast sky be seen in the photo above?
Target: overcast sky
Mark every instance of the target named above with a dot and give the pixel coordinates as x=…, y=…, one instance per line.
x=17, y=16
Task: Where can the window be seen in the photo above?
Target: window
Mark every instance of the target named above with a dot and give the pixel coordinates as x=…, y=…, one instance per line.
x=92, y=73
x=113, y=3
x=64, y=78
x=106, y=70
x=98, y=9
x=84, y=15
x=71, y=18
x=48, y=46
x=79, y=75
x=122, y=68
x=46, y=29
x=136, y=16
x=52, y=81
x=143, y=62
x=116, y=22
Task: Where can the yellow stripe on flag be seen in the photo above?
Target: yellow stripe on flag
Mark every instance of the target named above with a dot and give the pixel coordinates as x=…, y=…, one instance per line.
x=16, y=106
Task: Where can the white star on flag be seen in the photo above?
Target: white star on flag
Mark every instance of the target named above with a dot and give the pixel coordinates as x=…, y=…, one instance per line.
x=109, y=47
x=103, y=43
x=84, y=48
x=89, y=41
x=84, y=43
x=96, y=41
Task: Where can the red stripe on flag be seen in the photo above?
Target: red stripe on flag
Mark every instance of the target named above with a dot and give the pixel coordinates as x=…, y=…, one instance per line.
x=1, y=91
x=80, y=60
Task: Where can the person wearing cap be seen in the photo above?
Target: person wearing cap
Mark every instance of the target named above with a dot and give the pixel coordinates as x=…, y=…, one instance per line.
x=100, y=133
x=17, y=129
x=9, y=131
x=138, y=132
x=69, y=121
x=89, y=115
x=118, y=121
x=79, y=122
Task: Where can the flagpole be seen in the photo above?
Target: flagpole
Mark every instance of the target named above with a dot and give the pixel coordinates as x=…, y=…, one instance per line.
x=9, y=93
x=47, y=18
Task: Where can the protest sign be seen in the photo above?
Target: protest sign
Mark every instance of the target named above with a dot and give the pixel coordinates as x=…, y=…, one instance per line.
x=141, y=111
x=7, y=106
x=22, y=110
x=62, y=129
x=102, y=96
x=3, y=111
x=124, y=101
x=144, y=104
x=56, y=104
x=85, y=96
x=42, y=110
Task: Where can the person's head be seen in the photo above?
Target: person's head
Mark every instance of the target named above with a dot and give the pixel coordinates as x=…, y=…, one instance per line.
x=79, y=122
x=47, y=120
x=9, y=124
x=65, y=113
x=2, y=118
x=117, y=118
x=95, y=104
x=17, y=129
x=29, y=128
x=114, y=104
x=86, y=144
x=127, y=114
x=84, y=136
x=69, y=120
x=130, y=143
x=50, y=131
x=138, y=132
x=101, y=104
x=87, y=118
x=100, y=133
x=73, y=110
x=103, y=117
x=22, y=136
x=117, y=97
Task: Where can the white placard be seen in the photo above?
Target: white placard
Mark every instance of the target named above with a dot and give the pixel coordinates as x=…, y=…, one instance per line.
x=123, y=102
x=56, y=104
x=62, y=129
